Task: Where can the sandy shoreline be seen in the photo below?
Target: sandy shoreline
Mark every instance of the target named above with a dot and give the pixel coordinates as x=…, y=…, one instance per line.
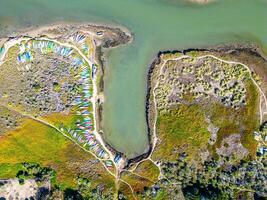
x=35, y=29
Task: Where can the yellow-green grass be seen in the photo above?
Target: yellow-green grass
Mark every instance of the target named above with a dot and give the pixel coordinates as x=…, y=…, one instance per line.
x=136, y=182
x=125, y=189
x=67, y=119
x=12, y=53
x=38, y=143
x=148, y=170
x=167, y=56
x=90, y=44
x=9, y=67
x=183, y=128
x=9, y=170
x=162, y=195
x=243, y=121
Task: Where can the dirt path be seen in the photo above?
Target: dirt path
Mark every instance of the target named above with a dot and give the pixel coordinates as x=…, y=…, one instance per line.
x=155, y=138
x=251, y=77
x=58, y=130
x=93, y=99
x=118, y=167
x=11, y=43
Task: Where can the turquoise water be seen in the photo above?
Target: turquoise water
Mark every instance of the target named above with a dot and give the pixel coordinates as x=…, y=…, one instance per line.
x=156, y=25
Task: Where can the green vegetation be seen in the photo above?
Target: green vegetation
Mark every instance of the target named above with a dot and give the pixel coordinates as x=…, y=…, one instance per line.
x=56, y=87
x=155, y=194
x=147, y=169
x=192, y=97
x=125, y=191
x=208, y=112
x=213, y=179
x=137, y=183
x=181, y=129
x=63, y=119
x=8, y=170
x=34, y=142
x=166, y=56
x=244, y=120
x=25, y=143
x=52, y=85
x=36, y=172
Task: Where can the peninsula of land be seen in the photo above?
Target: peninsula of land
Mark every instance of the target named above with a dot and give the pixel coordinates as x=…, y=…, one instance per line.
x=206, y=115
x=51, y=85
x=205, y=112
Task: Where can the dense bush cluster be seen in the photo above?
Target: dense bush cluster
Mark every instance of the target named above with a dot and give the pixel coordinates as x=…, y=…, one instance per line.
x=201, y=78
x=216, y=179
x=86, y=191
x=35, y=171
